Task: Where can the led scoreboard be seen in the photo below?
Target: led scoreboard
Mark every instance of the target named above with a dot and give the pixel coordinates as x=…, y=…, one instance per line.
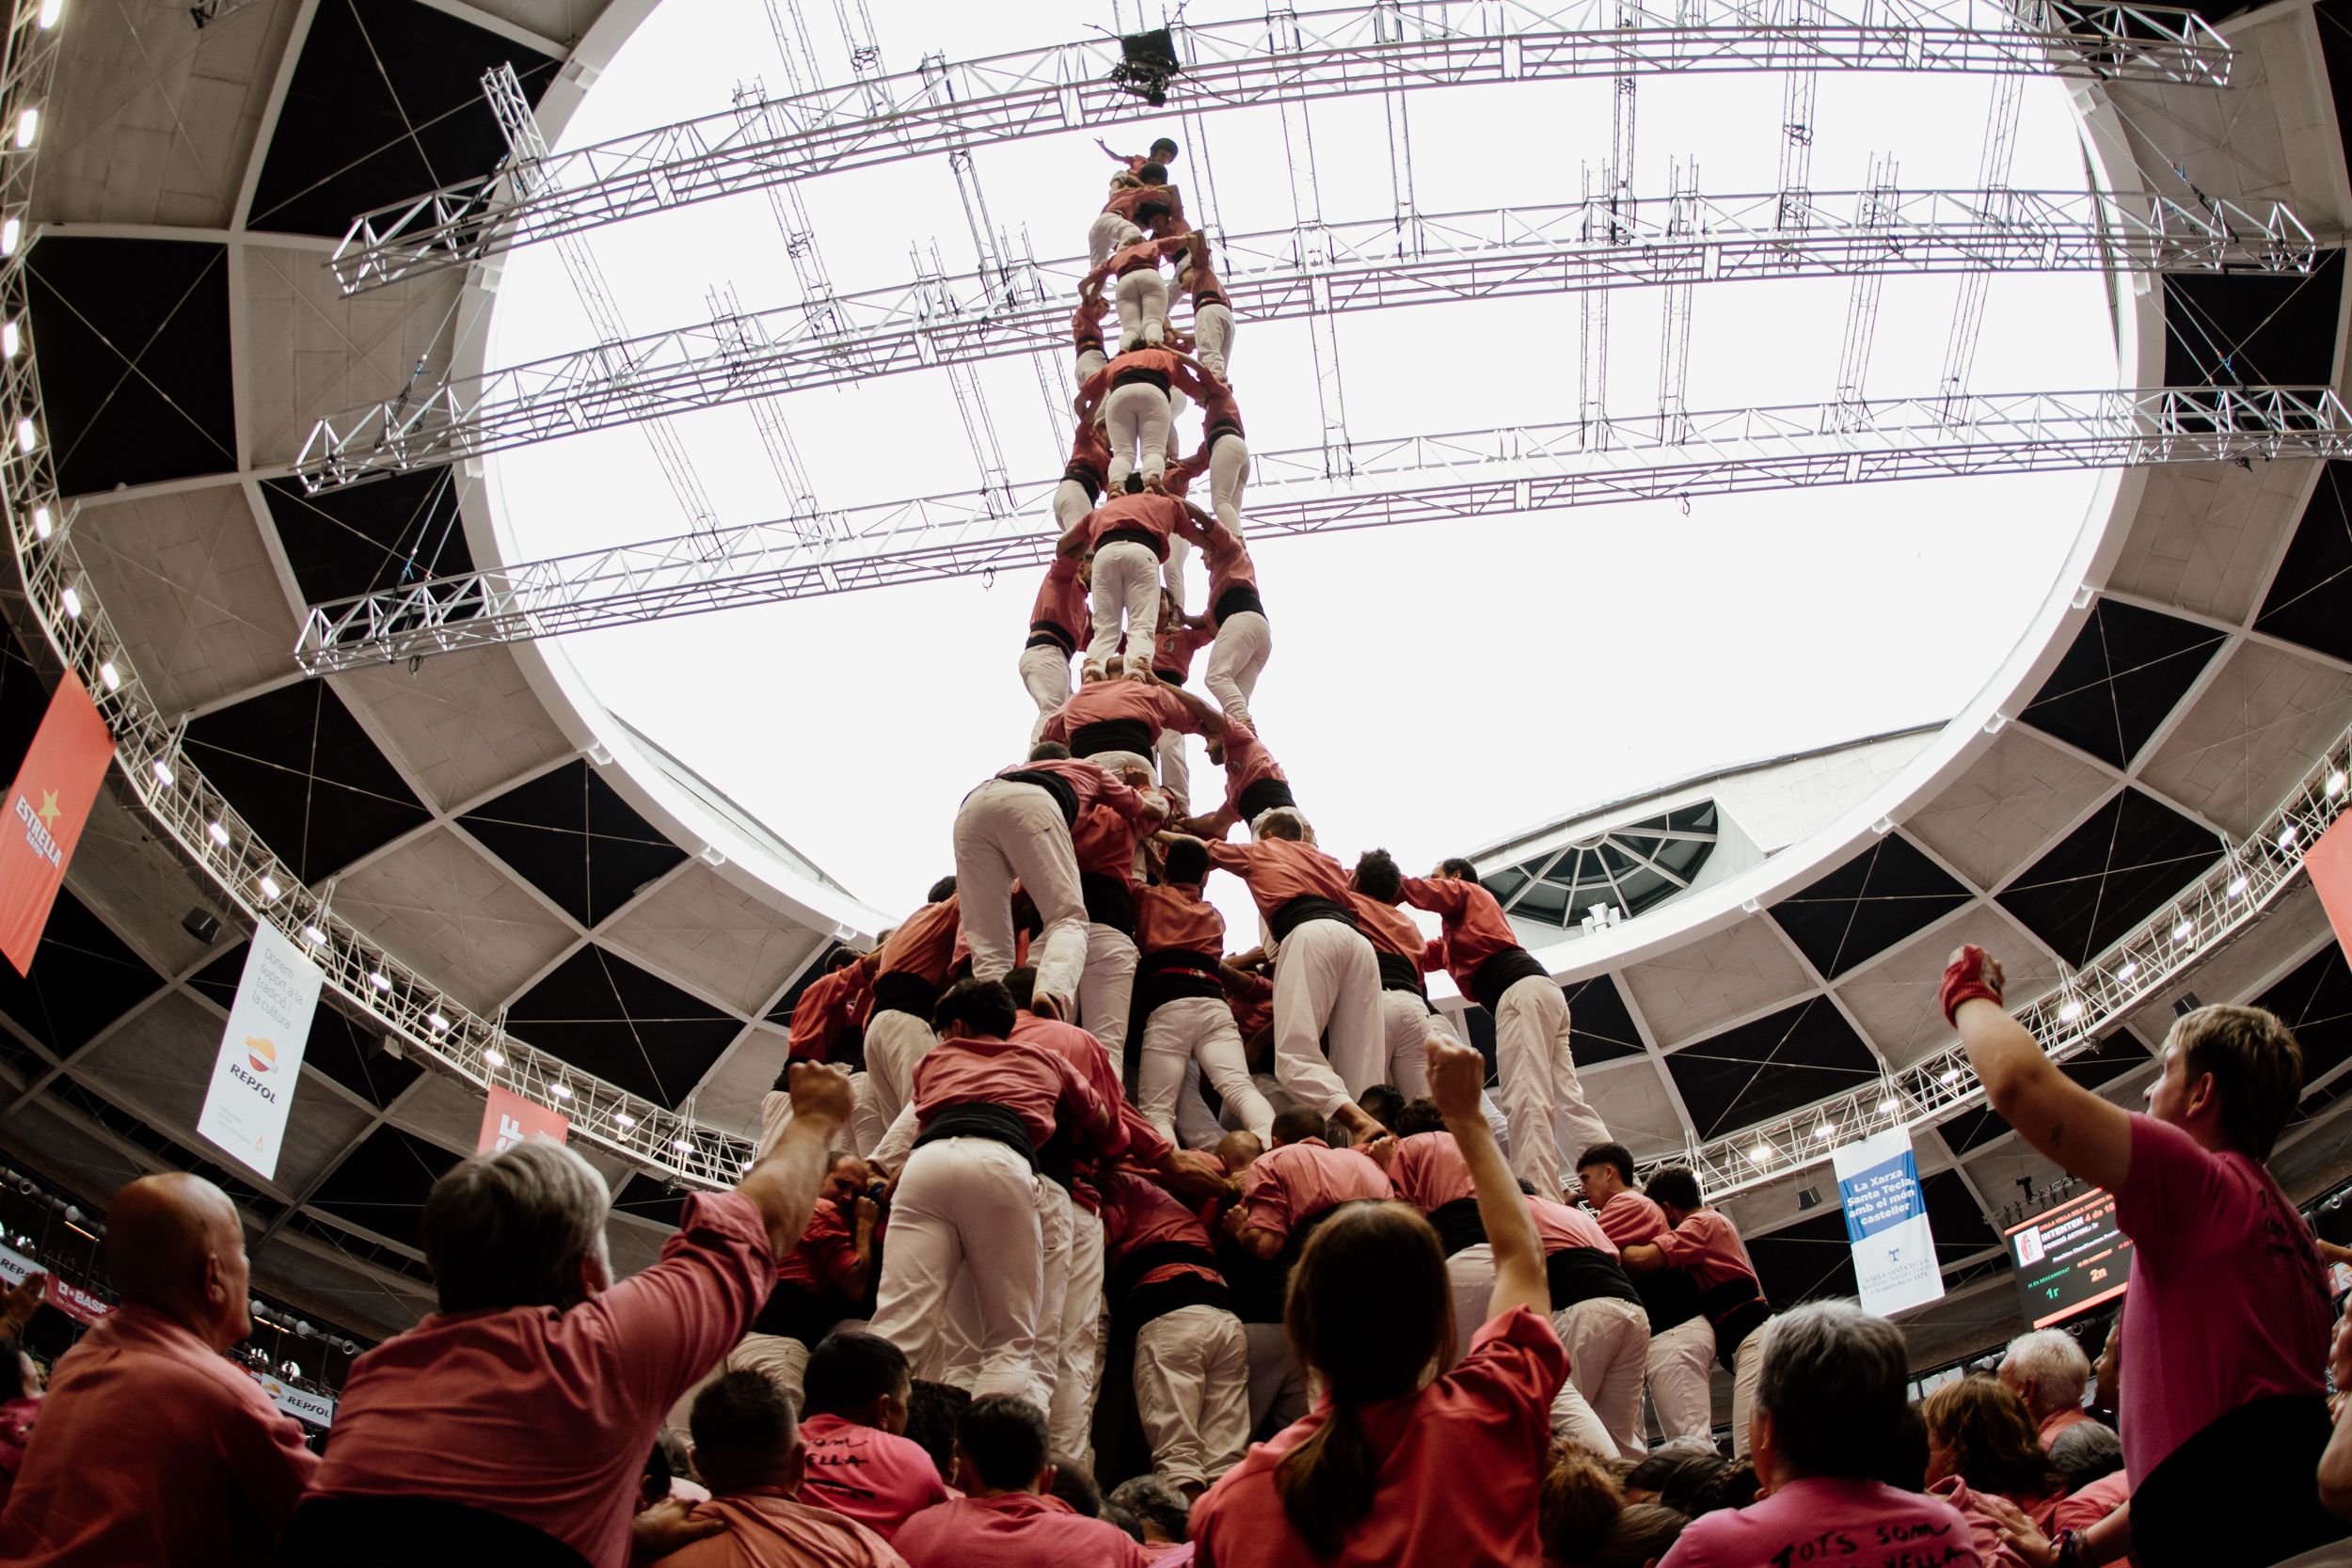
x=2071, y=1257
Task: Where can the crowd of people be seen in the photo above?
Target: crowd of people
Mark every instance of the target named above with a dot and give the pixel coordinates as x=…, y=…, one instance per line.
x=1054, y=1186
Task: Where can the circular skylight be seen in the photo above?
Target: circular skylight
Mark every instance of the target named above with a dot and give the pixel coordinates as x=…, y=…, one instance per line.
x=1433, y=685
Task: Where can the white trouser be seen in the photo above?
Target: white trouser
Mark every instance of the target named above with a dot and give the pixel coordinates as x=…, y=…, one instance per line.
x=1105, y=987
x=1070, y=503
x=1244, y=643
x=1470, y=1277
x=1601, y=1405
x=1136, y=420
x=1192, y=1393
x=1195, y=1126
x=1108, y=233
x=1228, y=470
x=1277, y=1385
x=1406, y=1022
x=1681, y=1366
x=1172, y=574
x=1142, y=302
x=895, y=1043
x=1175, y=767
x=1213, y=336
x=1200, y=1029
x=966, y=1208
x=784, y=1360
x=1090, y=362
x=1540, y=1093
x=1126, y=584
x=1007, y=829
x=1114, y=762
x=1747, y=1364
x=1076, y=1353
x=1054, y=1234
x=1326, y=980
x=1045, y=672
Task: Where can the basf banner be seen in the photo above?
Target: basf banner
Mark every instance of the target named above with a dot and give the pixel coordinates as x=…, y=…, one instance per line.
x=509, y=1119
x=1886, y=1222
x=260, y=1052
x=51, y=800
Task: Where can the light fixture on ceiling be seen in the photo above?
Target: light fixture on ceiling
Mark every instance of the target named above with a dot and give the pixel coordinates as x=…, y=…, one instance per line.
x=2335, y=784
x=1823, y=1132
x=27, y=436
x=493, y=1056
x=27, y=127
x=380, y=980
x=2131, y=967
x=561, y=1091
x=2071, y=1010
x=2288, y=835
x=112, y=677
x=218, y=834
x=1889, y=1106
x=164, y=775
x=50, y=12
x=1949, y=1076
x=11, y=232
x=45, y=523
x=1761, y=1153
x=2186, y=929
x=436, y=1022
x=2238, y=885
x=267, y=887
x=622, y=1118
x=315, y=937
x=684, y=1146
x=11, y=338
x=71, y=598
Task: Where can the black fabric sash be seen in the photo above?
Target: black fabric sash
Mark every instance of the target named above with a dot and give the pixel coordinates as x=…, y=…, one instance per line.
x=1669, y=1298
x=1234, y=601
x=1112, y=735
x=2268, y=1448
x=1054, y=784
x=1109, y=899
x=1736, y=1308
x=1399, y=973
x=1262, y=795
x=1172, y=973
x=1501, y=972
x=902, y=991
x=401, y=1532
x=1584, y=1274
x=993, y=1122
x=1088, y=475
x=1457, y=1225
x=1143, y=536
x=1147, y=1303
x=1051, y=634
x=1139, y=375
x=796, y=1311
x=1306, y=907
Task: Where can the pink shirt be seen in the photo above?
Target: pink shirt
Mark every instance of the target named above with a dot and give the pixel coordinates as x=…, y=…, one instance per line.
x=2227, y=1303
x=1390, y=929
x=1705, y=1247
x=1631, y=1217
x=1137, y=1213
x=1288, y=1186
x=767, y=1529
x=1984, y=1526
x=924, y=943
x=1175, y=647
x=1461, y=1468
x=872, y=1476
x=1170, y=915
x=1018, y=1529
x=827, y=1010
x=1475, y=926
x=153, y=1448
x=544, y=1417
x=1247, y=761
x=826, y=1255
x=1147, y=513
x=1118, y=701
x=1280, y=869
x=1429, y=1171
x=1062, y=602
x=1089, y=782
x=1037, y=1086
x=1828, y=1521
x=1562, y=1226
x=2057, y=1422
x=1131, y=1135
x=2082, y=1509
x=1228, y=563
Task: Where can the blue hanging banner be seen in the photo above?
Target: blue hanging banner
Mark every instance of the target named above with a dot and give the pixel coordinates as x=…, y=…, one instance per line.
x=1887, y=1223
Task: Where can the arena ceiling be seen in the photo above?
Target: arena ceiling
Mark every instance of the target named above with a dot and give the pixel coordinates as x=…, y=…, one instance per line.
x=193, y=182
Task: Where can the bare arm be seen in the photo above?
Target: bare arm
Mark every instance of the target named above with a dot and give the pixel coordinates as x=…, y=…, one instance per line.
x=2065, y=1121
x=784, y=1185
x=1456, y=1075
x=1641, y=1258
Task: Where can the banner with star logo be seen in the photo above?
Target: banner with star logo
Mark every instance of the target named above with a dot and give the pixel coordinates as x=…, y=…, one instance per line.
x=49, y=803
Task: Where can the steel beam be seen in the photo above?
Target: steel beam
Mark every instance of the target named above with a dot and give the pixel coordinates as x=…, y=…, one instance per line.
x=1415, y=479
x=1294, y=273
x=1382, y=47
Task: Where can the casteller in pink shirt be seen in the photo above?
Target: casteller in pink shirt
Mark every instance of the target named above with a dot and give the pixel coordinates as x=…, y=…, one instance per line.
x=875, y=1477
x=1829, y=1521
x=1013, y=1530
x=2227, y=1303
x=1288, y=1186
x=767, y=1529
x=1461, y=1468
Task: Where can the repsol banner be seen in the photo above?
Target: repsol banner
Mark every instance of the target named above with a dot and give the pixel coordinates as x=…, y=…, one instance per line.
x=260, y=1052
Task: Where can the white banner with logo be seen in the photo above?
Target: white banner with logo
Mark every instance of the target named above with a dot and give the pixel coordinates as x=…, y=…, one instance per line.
x=302, y=1404
x=260, y=1052
x=1886, y=1222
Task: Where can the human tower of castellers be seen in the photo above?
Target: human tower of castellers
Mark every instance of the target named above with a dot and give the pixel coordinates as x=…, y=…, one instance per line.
x=1080, y=1117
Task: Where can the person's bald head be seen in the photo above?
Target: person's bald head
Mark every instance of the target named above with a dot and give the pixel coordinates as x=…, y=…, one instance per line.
x=174, y=1243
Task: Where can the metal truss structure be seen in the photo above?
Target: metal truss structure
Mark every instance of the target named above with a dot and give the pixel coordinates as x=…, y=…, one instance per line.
x=1414, y=479
x=1293, y=273
x=2068, y=1020
x=1384, y=47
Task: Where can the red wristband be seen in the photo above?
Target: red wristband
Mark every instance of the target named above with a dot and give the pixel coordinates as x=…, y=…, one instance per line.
x=1965, y=981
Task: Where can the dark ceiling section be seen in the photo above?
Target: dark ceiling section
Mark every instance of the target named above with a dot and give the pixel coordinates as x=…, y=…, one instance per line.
x=2124, y=672
x=23, y=698
x=298, y=767
x=2107, y=875
x=2335, y=18
x=650, y=1199
x=83, y=979
x=2233, y=330
x=384, y=533
x=2309, y=601
x=218, y=979
x=1770, y=1067
x=134, y=372
x=351, y=1051
x=174, y=1154
x=576, y=840
x=381, y=1185
x=1973, y=1129
x=2315, y=1000
x=1809, y=1261
x=385, y=104
x=1867, y=905
x=2107, y=1060
x=1959, y=1224
x=1600, y=1029
x=607, y=1016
